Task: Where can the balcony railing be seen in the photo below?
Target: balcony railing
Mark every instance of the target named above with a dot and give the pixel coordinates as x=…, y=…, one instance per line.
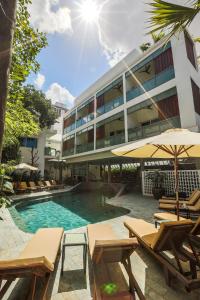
x=68, y=152
x=48, y=151
x=148, y=85
x=110, y=105
x=110, y=141
x=84, y=148
x=152, y=129
x=85, y=120
x=70, y=128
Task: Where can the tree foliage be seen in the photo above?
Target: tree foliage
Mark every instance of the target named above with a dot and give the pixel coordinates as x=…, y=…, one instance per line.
x=172, y=16
x=36, y=102
x=27, y=44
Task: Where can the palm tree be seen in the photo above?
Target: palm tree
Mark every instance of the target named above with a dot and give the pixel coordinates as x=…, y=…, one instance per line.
x=145, y=46
x=155, y=37
x=173, y=17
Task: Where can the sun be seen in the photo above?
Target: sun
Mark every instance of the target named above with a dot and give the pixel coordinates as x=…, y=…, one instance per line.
x=89, y=11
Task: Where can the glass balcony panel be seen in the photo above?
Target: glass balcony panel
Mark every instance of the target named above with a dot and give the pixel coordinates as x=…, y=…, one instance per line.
x=152, y=129
x=84, y=120
x=48, y=151
x=110, y=105
x=69, y=128
x=110, y=141
x=68, y=152
x=159, y=79
x=84, y=148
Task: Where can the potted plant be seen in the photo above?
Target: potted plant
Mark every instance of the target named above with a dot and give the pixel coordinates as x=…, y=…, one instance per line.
x=157, y=179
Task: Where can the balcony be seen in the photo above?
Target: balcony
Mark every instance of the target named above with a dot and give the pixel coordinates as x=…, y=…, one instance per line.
x=84, y=148
x=69, y=128
x=68, y=152
x=148, y=85
x=110, y=141
x=110, y=105
x=48, y=151
x=84, y=120
x=152, y=129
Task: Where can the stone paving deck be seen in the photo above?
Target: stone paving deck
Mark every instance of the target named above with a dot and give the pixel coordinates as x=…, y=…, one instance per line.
x=74, y=285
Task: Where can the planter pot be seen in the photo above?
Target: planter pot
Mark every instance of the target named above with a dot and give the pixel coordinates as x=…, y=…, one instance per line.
x=158, y=193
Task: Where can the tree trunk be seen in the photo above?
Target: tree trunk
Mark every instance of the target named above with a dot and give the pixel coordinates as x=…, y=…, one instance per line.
x=7, y=23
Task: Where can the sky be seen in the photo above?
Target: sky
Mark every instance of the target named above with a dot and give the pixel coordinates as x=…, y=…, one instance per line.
x=85, y=39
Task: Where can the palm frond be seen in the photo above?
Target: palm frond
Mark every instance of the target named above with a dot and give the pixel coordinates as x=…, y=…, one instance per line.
x=172, y=16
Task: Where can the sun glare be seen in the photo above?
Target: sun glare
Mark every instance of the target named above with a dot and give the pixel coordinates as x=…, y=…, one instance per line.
x=89, y=11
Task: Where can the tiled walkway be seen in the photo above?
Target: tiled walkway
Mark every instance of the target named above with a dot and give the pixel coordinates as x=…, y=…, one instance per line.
x=73, y=285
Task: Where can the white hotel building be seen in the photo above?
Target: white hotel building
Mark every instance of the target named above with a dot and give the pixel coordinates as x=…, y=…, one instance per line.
x=143, y=95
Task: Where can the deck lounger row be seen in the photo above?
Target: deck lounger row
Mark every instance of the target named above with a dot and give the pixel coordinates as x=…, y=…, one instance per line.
x=169, y=238
x=191, y=200
x=35, y=187
x=37, y=261
x=106, y=251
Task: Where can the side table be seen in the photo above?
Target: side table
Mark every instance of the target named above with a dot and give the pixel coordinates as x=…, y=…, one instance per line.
x=72, y=240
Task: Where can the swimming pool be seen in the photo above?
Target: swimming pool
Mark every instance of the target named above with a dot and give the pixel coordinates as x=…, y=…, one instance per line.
x=71, y=210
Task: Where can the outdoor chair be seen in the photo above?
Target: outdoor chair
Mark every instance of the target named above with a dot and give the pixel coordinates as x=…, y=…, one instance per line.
x=106, y=251
x=36, y=261
x=24, y=187
x=20, y=187
x=166, y=244
x=34, y=186
x=191, y=208
x=56, y=185
x=49, y=185
x=41, y=185
x=189, y=201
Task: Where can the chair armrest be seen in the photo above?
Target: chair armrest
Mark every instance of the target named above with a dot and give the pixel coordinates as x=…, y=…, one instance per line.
x=132, y=242
x=26, y=263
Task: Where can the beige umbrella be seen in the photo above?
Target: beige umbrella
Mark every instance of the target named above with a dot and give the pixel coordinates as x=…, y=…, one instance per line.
x=24, y=166
x=171, y=144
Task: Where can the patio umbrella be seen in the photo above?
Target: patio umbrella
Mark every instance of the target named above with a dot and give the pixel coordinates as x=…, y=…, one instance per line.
x=172, y=144
x=24, y=166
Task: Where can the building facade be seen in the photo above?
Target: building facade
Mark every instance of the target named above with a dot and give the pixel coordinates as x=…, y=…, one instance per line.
x=143, y=95
x=47, y=145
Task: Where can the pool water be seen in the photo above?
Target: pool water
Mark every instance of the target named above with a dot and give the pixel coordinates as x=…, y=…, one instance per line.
x=71, y=210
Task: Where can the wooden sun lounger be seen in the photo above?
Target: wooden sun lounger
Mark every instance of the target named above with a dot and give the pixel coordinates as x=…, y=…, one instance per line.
x=191, y=208
x=41, y=185
x=37, y=261
x=34, y=186
x=106, y=251
x=169, y=238
x=56, y=185
x=49, y=185
x=189, y=201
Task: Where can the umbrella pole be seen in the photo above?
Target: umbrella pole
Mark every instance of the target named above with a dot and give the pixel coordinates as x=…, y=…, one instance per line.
x=176, y=185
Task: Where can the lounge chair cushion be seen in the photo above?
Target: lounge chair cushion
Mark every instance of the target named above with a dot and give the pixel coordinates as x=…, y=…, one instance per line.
x=161, y=240
x=102, y=235
x=99, y=232
x=46, y=242
x=26, y=263
x=140, y=227
x=167, y=216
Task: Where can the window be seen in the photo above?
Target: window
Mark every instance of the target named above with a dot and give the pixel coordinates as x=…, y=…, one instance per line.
x=190, y=49
x=196, y=96
x=28, y=142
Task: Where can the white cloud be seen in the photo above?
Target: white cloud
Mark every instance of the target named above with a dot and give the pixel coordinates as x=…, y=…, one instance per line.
x=122, y=27
x=39, y=81
x=57, y=93
x=48, y=16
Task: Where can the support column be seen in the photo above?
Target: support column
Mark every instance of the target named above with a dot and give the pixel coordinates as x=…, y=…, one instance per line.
x=109, y=173
x=87, y=172
x=120, y=170
x=125, y=110
x=182, y=67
